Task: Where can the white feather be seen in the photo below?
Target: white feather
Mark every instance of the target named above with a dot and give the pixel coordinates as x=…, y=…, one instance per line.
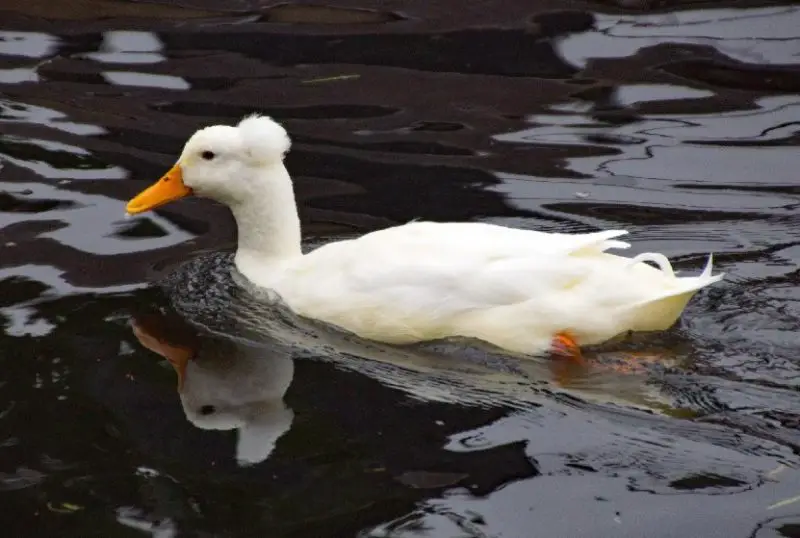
x=264, y=140
x=513, y=288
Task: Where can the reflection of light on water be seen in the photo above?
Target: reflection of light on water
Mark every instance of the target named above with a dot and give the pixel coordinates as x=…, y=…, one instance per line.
x=87, y=222
x=690, y=164
x=606, y=504
x=129, y=47
x=764, y=35
x=47, y=170
x=582, y=461
x=147, y=80
x=665, y=161
x=133, y=518
x=27, y=44
x=23, y=321
x=572, y=124
x=640, y=93
x=118, y=47
x=15, y=112
x=51, y=145
x=57, y=285
x=21, y=74
x=764, y=124
x=88, y=226
x=135, y=47
x=661, y=146
x=23, y=318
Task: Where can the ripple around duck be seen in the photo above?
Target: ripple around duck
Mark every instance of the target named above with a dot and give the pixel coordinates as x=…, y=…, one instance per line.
x=455, y=372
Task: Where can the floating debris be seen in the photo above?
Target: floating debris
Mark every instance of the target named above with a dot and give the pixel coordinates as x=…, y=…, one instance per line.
x=64, y=508
x=330, y=79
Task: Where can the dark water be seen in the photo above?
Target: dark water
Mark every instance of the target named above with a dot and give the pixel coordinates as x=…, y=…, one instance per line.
x=678, y=121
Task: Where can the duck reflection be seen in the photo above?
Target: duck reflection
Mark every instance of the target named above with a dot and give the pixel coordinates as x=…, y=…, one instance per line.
x=227, y=385
x=239, y=381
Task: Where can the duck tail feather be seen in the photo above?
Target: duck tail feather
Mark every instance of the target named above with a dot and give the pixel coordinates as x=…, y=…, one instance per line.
x=659, y=259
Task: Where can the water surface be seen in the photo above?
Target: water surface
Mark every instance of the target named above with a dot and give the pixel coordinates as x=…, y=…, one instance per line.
x=677, y=122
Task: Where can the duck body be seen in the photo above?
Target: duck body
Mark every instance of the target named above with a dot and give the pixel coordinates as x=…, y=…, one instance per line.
x=513, y=288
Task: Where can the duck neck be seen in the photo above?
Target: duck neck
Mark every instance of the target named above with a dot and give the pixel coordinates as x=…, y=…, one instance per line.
x=268, y=223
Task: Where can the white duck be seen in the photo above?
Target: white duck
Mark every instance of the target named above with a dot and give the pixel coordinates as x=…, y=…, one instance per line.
x=522, y=290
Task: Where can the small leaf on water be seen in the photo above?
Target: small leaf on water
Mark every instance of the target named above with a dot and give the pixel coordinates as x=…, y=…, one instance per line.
x=64, y=508
x=335, y=78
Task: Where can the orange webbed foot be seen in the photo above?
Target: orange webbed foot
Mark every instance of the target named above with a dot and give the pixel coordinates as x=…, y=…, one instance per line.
x=564, y=344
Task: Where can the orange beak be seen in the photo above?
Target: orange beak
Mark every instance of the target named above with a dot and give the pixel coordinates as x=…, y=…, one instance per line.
x=168, y=189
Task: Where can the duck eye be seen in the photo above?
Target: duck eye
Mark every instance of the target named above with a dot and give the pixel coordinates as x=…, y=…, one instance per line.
x=207, y=155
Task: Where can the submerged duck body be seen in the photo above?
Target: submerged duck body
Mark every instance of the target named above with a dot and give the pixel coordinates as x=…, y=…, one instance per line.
x=513, y=288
